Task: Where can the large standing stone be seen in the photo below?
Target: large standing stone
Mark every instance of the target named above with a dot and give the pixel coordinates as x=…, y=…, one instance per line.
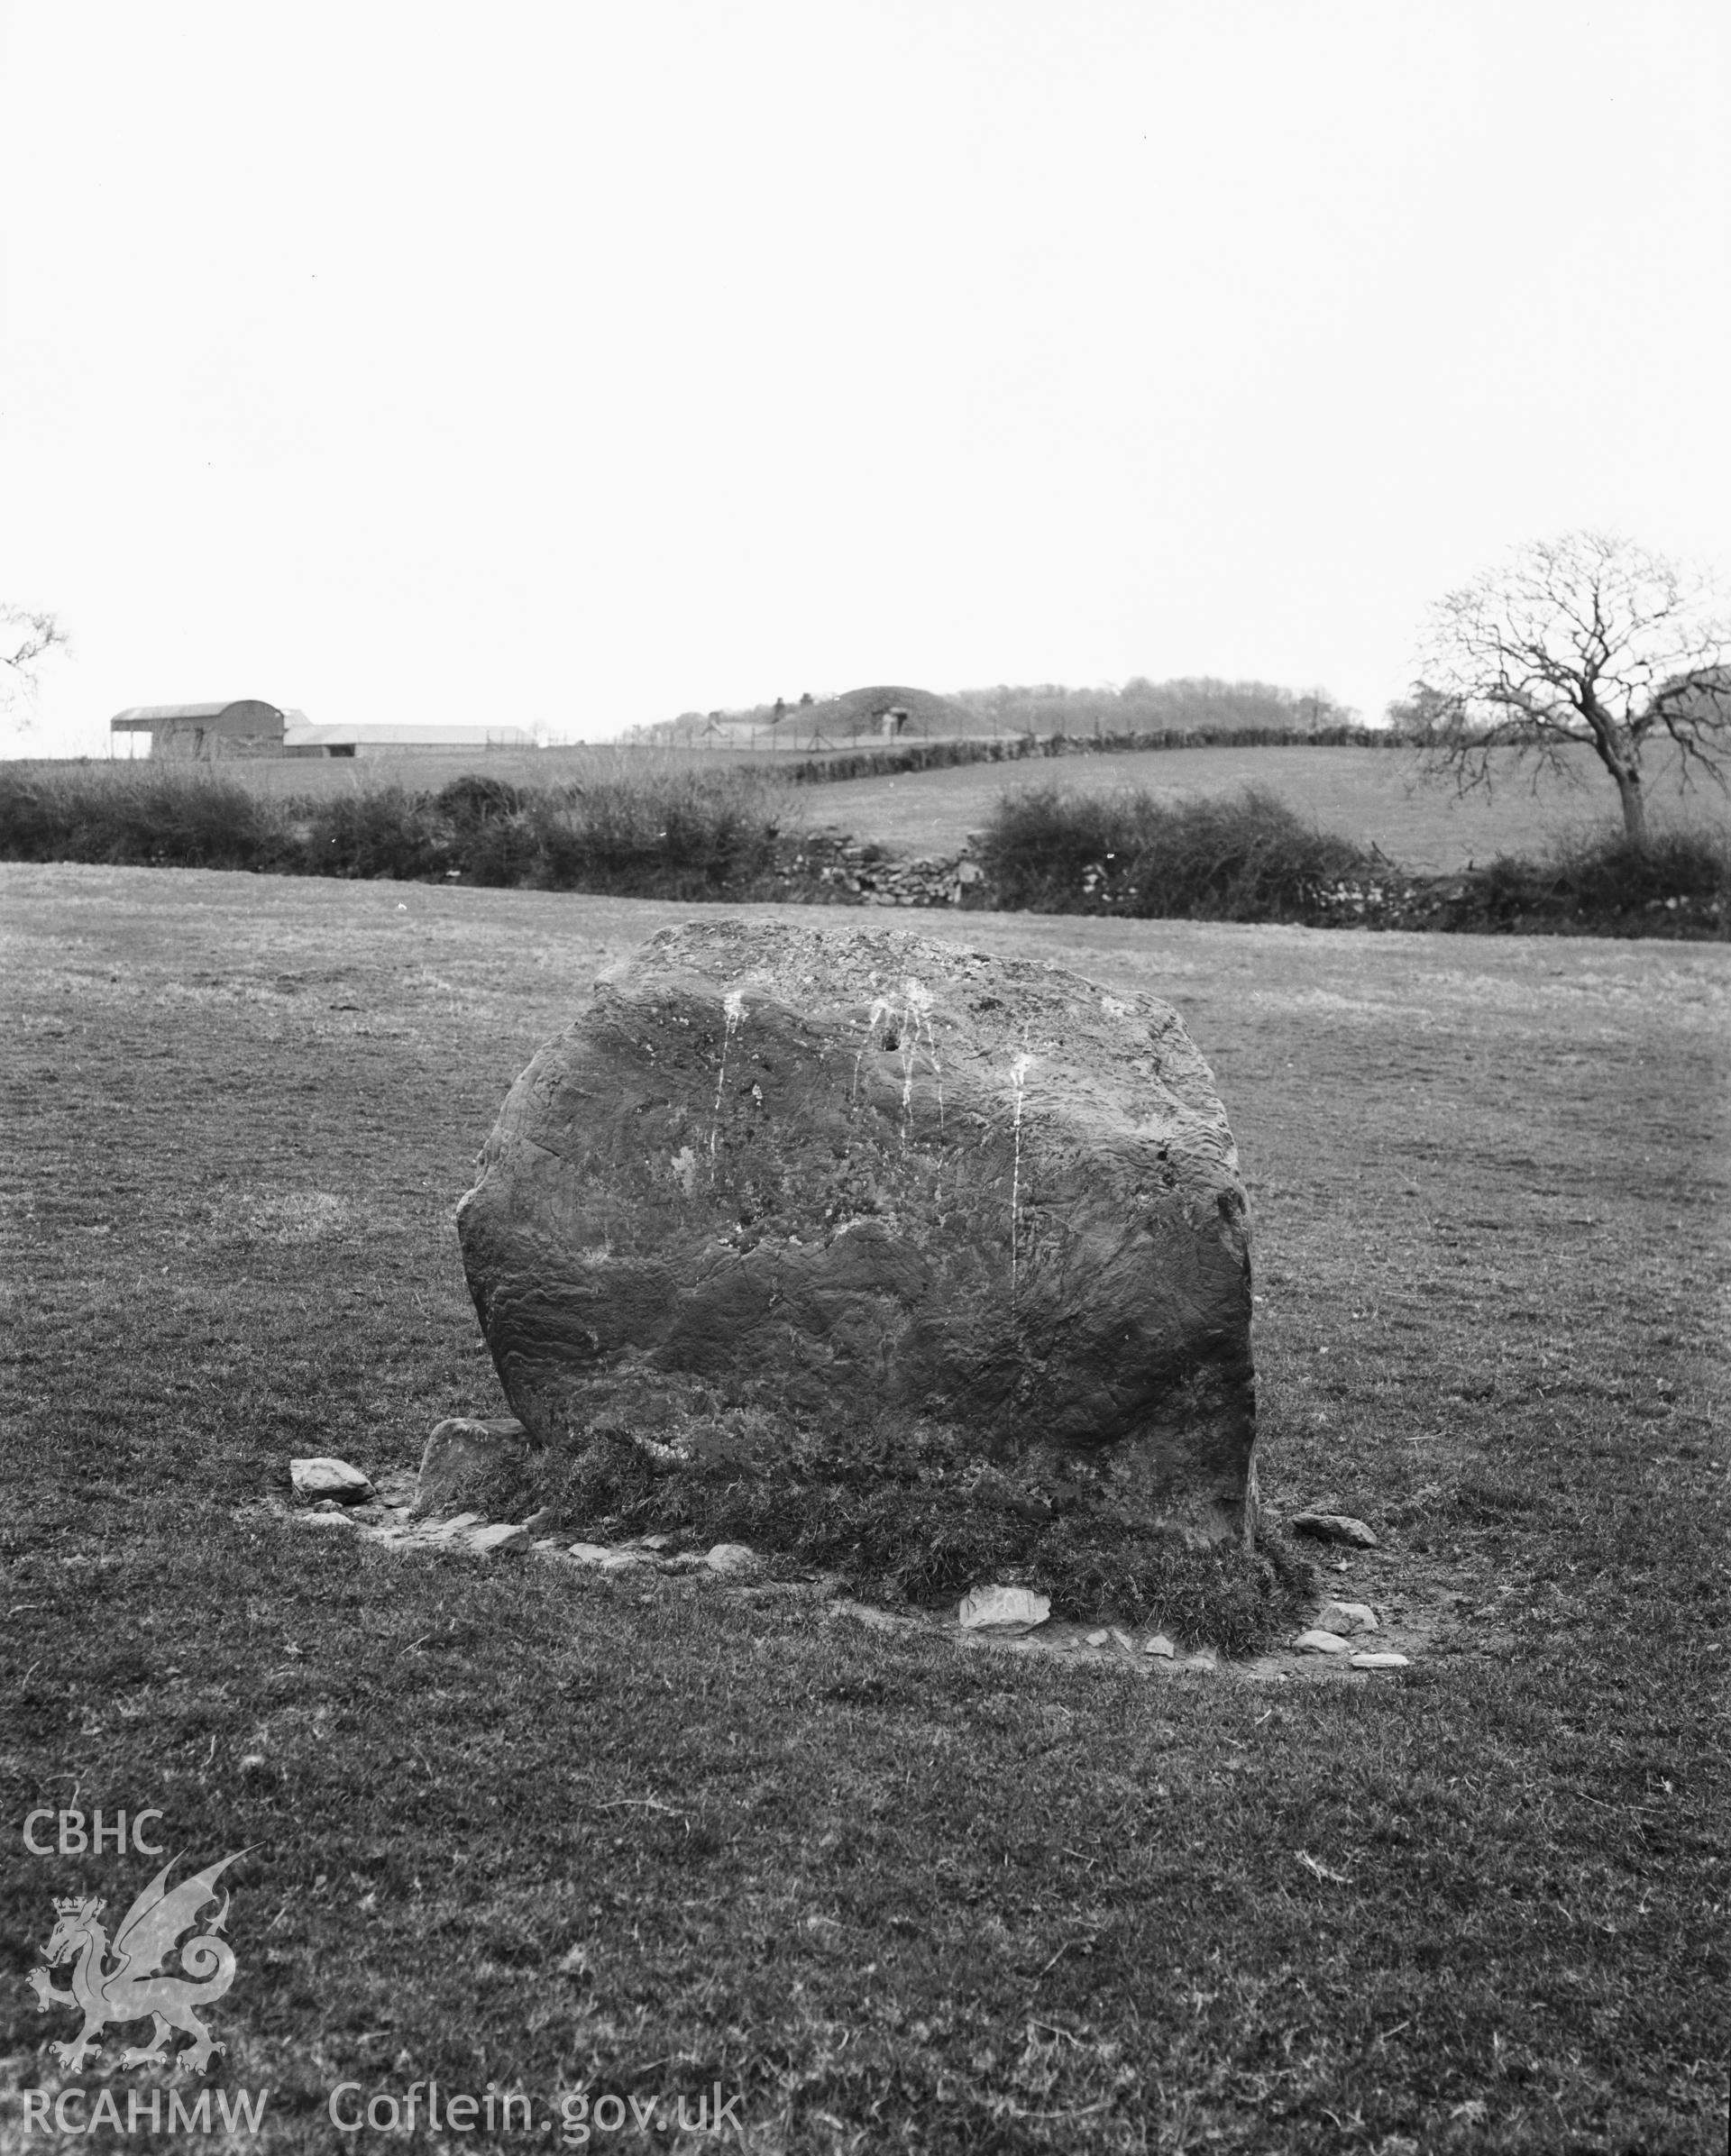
x=778, y=1183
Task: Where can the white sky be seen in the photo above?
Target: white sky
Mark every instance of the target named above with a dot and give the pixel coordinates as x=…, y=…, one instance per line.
x=579, y=364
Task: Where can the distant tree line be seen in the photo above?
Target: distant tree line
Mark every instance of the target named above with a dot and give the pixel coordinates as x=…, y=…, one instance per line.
x=1194, y=705
x=1197, y=703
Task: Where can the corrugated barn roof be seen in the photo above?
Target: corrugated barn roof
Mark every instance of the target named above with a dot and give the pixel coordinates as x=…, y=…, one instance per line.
x=246, y=710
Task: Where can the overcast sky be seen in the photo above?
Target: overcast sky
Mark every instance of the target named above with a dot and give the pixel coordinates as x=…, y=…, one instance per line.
x=580, y=364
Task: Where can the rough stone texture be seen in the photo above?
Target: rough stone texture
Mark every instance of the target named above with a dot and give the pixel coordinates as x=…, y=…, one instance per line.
x=983, y=1608
x=447, y=1531
x=776, y=1181
x=1333, y=1527
x=329, y=1478
x=1318, y=1642
x=1348, y=1617
x=605, y=1559
x=735, y=1560
x=491, y=1542
x=471, y=1459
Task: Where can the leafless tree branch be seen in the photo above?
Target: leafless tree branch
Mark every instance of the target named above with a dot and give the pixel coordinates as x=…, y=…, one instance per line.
x=1586, y=641
x=27, y=637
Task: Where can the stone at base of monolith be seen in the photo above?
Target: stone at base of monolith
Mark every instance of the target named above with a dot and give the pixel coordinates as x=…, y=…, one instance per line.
x=314, y=1480
x=782, y=1193
x=469, y=1460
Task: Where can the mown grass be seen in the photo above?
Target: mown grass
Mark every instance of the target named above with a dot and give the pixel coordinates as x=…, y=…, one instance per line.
x=542, y=1830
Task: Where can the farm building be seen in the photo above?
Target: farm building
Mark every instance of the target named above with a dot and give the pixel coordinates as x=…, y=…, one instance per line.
x=252, y=729
x=303, y=739
x=246, y=728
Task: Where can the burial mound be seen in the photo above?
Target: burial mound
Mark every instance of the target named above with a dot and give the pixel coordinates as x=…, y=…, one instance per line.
x=779, y=1188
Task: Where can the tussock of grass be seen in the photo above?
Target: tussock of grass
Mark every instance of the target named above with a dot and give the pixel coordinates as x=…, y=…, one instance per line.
x=920, y=1515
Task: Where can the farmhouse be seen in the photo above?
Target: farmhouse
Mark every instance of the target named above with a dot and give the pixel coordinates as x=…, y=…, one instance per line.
x=251, y=727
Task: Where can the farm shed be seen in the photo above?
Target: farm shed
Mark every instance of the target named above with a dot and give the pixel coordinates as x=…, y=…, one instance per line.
x=245, y=728
x=303, y=739
x=252, y=729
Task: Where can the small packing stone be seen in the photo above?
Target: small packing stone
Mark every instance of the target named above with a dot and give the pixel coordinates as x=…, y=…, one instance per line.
x=1318, y=1642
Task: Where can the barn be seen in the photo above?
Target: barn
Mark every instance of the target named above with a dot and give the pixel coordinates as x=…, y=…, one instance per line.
x=252, y=729
x=246, y=728
x=380, y=739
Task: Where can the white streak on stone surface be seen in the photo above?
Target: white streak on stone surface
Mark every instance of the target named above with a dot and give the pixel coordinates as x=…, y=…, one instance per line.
x=733, y=1006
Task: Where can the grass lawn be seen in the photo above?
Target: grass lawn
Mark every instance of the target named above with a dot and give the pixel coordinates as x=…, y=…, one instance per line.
x=1363, y=794
x=547, y=1831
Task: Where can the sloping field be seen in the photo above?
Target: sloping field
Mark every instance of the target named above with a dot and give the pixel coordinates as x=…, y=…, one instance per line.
x=1363, y=794
x=572, y=1838
x=429, y=770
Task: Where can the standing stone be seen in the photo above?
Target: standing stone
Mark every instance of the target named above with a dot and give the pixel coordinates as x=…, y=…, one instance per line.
x=779, y=1185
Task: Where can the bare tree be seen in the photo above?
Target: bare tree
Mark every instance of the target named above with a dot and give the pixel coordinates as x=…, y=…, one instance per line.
x=1585, y=640
x=27, y=637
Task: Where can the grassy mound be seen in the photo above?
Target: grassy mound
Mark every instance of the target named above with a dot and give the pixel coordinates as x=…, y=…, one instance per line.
x=923, y=1517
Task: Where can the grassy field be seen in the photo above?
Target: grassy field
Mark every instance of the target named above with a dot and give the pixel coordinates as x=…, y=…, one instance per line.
x=549, y=1833
x=1365, y=795
x=428, y=769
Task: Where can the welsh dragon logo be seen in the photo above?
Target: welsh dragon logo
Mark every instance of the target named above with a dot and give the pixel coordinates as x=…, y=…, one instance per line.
x=136, y=1984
